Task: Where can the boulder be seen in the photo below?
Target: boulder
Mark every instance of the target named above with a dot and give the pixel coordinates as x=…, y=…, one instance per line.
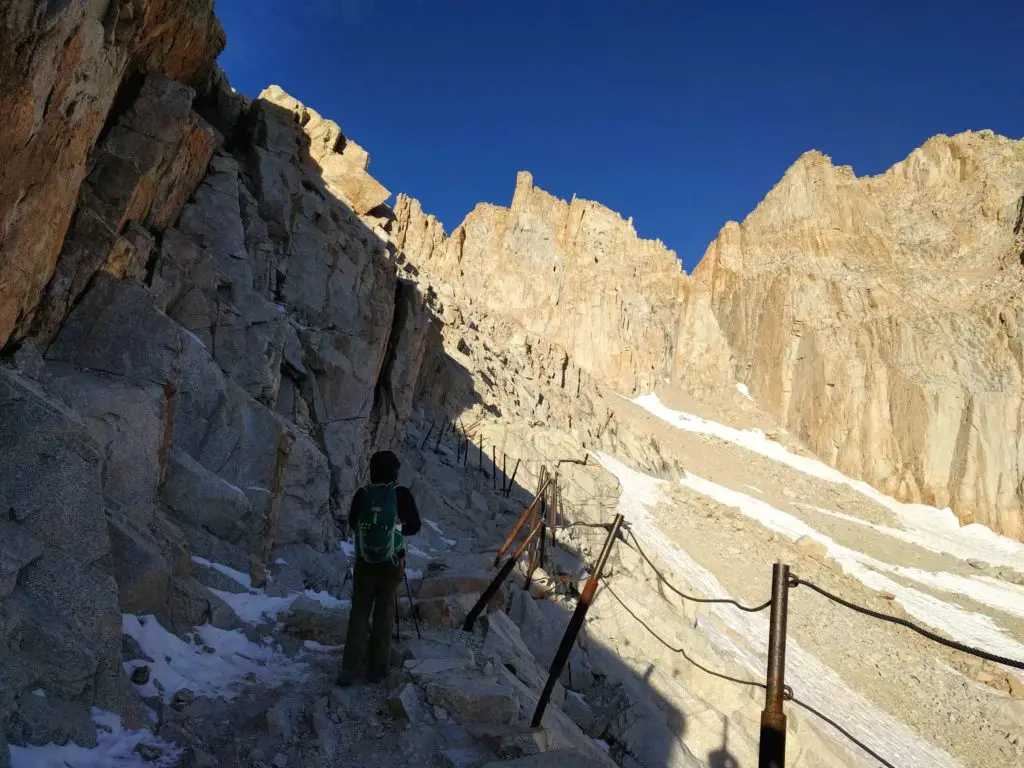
x=142, y=573
x=308, y=619
x=50, y=472
x=197, y=496
x=70, y=633
x=465, y=757
x=560, y=758
x=405, y=703
x=129, y=419
x=451, y=583
x=40, y=720
x=502, y=637
x=423, y=670
x=325, y=730
x=471, y=699
x=312, y=569
x=438, y=611
x=215, y=579
x=17, y=549
x=512, y=741
x=579, y=712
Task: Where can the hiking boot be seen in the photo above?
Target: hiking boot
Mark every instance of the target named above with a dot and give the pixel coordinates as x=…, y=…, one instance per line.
x=345, y=679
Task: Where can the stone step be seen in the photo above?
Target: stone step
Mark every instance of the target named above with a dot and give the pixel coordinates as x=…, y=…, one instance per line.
x=512, y=741
x=559, y=758
x=472, y=699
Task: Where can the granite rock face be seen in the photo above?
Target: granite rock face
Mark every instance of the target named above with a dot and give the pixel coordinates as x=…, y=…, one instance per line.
x=204, y=336
x=876, y=318
x=67, y=68
x=879, y=319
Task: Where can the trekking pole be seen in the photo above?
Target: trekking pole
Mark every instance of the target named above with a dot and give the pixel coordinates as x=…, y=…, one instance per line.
x=398, y=621
x=412, y=607
x=575, y=624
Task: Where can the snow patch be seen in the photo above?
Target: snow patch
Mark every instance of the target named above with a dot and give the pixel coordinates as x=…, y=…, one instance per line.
x=960, y=624
x=440, y=533
x=257, y=607
x=216, y=672
x=414, y=550
x=115, y=746
x=40, y=693
x=231, y=573
x=347, y=548
x=742, y=389
x=817, y=683
x=313, y=645
x=932, y=528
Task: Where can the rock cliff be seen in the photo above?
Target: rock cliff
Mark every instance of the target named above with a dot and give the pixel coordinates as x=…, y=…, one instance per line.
x=879, y=318
x=876, y=318
x=204, y=335
x=209, y=317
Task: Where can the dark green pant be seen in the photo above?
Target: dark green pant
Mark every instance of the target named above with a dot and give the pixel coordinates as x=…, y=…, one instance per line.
x=374, y=588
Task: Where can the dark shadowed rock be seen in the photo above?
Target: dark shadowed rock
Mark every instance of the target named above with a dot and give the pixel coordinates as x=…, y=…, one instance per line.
x=40, y=720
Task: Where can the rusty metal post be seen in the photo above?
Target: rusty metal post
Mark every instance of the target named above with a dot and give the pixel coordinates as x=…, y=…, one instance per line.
x=772, y=753
x=494, y=467
x=554, y=510
x=512, y=480
x=496, y=583
x=427, y=437
x=575, y=624
x=504, y=473
x=528, y=512
x=481, y=464
x=440, y=433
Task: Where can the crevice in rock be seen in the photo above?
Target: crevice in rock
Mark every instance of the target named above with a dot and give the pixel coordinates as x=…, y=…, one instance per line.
x=382, y=394
x=126, y=96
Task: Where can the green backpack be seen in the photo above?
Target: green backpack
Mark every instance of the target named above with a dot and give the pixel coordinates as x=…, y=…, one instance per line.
x=378, y=539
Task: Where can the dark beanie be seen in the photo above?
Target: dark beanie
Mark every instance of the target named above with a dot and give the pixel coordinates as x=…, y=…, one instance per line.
x=384, y=466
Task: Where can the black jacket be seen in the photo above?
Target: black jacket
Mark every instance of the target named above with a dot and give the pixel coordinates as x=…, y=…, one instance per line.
x=408, y=514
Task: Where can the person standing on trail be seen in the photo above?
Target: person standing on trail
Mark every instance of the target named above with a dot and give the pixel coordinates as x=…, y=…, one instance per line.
x=382, y=515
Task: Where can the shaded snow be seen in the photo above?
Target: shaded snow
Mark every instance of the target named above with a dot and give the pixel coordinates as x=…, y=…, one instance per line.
x=231, y=573
x=814, y=682
x=217, y=672
x=256, y=607
x=440, y=533
x=114, y=747
x=932, y=528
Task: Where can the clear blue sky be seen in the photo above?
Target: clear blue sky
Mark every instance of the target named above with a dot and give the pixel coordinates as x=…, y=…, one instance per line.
x=682, y=115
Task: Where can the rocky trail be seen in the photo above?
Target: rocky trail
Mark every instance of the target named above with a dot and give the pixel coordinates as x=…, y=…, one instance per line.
x=211, y=317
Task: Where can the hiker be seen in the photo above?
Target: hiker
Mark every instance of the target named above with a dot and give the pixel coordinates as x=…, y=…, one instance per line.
x=377, y=512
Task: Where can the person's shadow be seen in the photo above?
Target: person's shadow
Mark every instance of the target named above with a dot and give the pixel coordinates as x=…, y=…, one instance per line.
x=722, y=757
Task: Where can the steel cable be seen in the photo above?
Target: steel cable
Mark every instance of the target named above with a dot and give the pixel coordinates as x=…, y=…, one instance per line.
x=691, y=598
x=797, y=581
